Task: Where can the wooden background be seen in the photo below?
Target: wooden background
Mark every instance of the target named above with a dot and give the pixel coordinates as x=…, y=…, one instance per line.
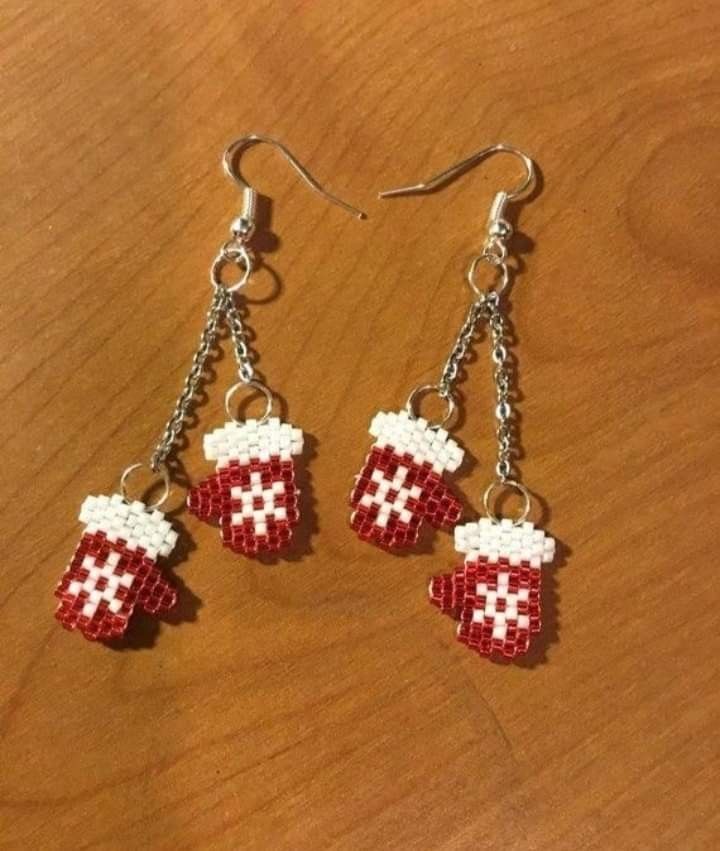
x=321, y=702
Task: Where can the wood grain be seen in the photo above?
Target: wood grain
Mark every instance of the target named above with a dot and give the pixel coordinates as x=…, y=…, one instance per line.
x=320, y=703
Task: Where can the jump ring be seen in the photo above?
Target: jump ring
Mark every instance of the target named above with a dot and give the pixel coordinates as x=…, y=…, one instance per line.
x=500, y=286
x=163, y=472
x=510, y=483
x=256, y=385
x=238, y=256
x=425, y=388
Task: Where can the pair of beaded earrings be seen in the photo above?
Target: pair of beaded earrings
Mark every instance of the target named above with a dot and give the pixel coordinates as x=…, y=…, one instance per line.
x=253, y=496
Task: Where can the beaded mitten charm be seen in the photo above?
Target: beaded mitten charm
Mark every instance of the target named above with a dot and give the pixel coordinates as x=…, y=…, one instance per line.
x=114, y=568
x=401, y=484
x=496, y=593
x=252, y=493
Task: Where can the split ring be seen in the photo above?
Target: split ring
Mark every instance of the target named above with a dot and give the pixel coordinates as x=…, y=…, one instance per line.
x=163, y=473
x=426, y=388
x=238, y=257
x=256, y=385
x=512, y=484
x=500, y=285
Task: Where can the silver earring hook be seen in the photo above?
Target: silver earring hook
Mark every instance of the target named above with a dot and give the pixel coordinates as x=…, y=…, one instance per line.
x=499, y=230
x=235, y=150
x=461, y=167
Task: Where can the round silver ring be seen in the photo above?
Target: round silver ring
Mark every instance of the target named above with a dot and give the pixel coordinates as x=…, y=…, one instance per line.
x=499, y=287
x=509, y=483
x=239, y=256
x=427, y=388
x=162, y=471
x=256, y=385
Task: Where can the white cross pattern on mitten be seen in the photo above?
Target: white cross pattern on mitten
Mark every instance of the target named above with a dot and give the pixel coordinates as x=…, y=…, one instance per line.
x=385, y=485
x=251, y=500
x=102, y=583
x=500, y=606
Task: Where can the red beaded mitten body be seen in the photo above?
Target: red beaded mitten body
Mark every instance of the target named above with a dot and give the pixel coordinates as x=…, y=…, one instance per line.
x=252, y=494
x=401, y=484
x=114, y=568
x=496, y=593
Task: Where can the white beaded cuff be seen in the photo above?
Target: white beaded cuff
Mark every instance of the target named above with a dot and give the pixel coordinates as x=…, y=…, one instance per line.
x=131, y=521
x=414, y=436
x=523, y=543
x=253, y=440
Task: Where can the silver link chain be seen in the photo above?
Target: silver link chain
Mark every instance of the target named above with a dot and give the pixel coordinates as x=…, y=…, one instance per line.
x=238, y=332
x=448, y=379
x=504, y=412
x=223, y=304
x=487, y=307
x=174, y=425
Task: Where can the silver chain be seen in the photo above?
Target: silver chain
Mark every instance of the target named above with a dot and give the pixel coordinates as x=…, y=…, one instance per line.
x=446, y=385
x=487, y=306
x=223, y=304
x=238, y=332
x=503, y=382
x=174, y=425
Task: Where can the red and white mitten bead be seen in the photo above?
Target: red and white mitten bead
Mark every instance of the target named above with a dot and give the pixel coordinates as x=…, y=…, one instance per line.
x=252, y=493
x=114, y=568
x=496, y=594
x=401, y=484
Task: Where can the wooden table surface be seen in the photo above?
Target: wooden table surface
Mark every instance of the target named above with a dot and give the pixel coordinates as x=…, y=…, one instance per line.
x=320, y=702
